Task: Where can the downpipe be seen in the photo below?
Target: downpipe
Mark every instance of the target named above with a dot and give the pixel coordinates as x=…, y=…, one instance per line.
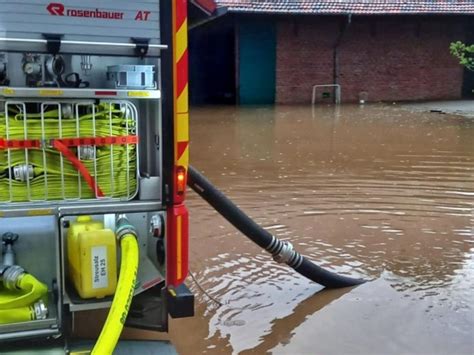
x=282, y=252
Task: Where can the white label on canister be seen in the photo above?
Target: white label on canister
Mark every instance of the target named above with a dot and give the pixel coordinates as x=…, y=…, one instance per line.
x=100, y=277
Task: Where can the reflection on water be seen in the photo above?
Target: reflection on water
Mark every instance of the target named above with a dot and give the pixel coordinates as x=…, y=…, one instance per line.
x=376, y=192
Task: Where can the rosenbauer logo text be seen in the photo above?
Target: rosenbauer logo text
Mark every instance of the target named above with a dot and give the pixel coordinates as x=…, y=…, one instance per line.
x=58, y=9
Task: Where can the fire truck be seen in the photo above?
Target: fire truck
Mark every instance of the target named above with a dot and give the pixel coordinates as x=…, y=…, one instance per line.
x=94, y=154
x=94, y=164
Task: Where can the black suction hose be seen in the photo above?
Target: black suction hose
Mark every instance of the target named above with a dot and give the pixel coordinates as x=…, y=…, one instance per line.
x=282, y=252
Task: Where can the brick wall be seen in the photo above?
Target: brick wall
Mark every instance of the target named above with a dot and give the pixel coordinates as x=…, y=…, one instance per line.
x=389, y=58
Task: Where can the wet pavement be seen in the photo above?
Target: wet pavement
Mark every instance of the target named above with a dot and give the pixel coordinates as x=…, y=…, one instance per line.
x=457, y=107
x=374, y=192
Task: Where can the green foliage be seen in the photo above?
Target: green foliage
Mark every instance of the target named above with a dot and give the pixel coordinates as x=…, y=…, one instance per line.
x=465, y=54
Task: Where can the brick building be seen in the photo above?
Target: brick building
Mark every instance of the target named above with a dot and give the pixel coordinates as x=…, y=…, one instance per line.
x=257, y=52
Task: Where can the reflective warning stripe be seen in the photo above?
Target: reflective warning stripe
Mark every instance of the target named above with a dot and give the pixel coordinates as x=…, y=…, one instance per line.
x=181, y=84
x=178, y=219
x=179, y=247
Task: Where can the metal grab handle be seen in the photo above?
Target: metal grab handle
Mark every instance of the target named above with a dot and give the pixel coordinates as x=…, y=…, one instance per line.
x=83, y=43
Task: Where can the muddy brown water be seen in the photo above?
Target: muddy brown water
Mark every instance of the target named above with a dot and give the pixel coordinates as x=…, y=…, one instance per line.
x=375, y=192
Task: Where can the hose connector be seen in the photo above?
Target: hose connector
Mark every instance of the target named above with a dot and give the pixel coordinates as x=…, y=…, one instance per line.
x=40, y=309
x=87, y=152
x=23, y=172
x=124, y=228
x=11, y=276
x=284, y=253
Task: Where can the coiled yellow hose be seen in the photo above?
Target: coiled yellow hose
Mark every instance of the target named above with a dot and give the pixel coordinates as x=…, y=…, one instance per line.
x=29, y=290
x=16, y=315
x=109, y=168
x=113, y=327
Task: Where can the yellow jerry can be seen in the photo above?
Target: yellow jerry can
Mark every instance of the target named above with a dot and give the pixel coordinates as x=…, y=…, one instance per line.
x=92, y=258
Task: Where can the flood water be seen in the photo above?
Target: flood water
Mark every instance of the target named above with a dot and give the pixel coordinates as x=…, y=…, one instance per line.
x=376, y=192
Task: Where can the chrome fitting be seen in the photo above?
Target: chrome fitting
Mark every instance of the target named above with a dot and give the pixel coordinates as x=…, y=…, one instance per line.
x=40, y=309
x=23, y=172
x=124, y=227
x=31, y=68
x=11, y=276
x=87, y=152
x=67, y=111
x=55, y=65
x=156, y=226
x=86, y=64
x=126, y=111
x=286, y=253
x=8, y=240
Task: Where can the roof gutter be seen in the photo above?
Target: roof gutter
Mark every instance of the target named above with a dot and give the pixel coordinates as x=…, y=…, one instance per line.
x=207, y=6
x=219, y=12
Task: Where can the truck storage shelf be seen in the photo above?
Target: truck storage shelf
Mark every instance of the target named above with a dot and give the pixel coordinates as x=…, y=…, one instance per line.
x=48, y=326
x=77, y=304
x=148, y=277
x=12, y=92
x=72, y=208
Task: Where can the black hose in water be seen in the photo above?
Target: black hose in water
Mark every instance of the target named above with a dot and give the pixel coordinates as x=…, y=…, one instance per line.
x=282, y=251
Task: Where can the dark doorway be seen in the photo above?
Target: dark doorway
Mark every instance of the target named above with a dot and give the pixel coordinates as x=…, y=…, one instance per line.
x=257, y=62
x=212, y=62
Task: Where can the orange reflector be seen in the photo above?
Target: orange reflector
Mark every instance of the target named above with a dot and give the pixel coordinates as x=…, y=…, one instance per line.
x=177, y=245
x=180, y=180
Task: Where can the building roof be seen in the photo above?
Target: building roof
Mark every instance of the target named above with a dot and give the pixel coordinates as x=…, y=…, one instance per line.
x=339, y=7
x=208, y=6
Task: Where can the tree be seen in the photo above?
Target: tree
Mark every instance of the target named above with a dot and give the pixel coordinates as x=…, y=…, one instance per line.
x=465, y=54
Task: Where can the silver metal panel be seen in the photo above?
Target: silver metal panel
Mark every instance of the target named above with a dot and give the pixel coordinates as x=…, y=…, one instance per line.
x=107, y=93
x=36, y=248
x=18, y=330
x=37, y=251
x=141, y=77
x=150, y=188
x=44, y=333
x=151, y=128
x=130, y=207
x=95, y=75
x=90, y=306
x=124, y=347
x=101, y=47
x=80, y=208
x=105, y=21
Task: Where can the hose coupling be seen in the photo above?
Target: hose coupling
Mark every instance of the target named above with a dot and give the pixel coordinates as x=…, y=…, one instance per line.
x=23, y=172
x=67, y=111
x=124, y=228
x=87, y=152
x=285, y=254
x=40, y=309
x=11, y=276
